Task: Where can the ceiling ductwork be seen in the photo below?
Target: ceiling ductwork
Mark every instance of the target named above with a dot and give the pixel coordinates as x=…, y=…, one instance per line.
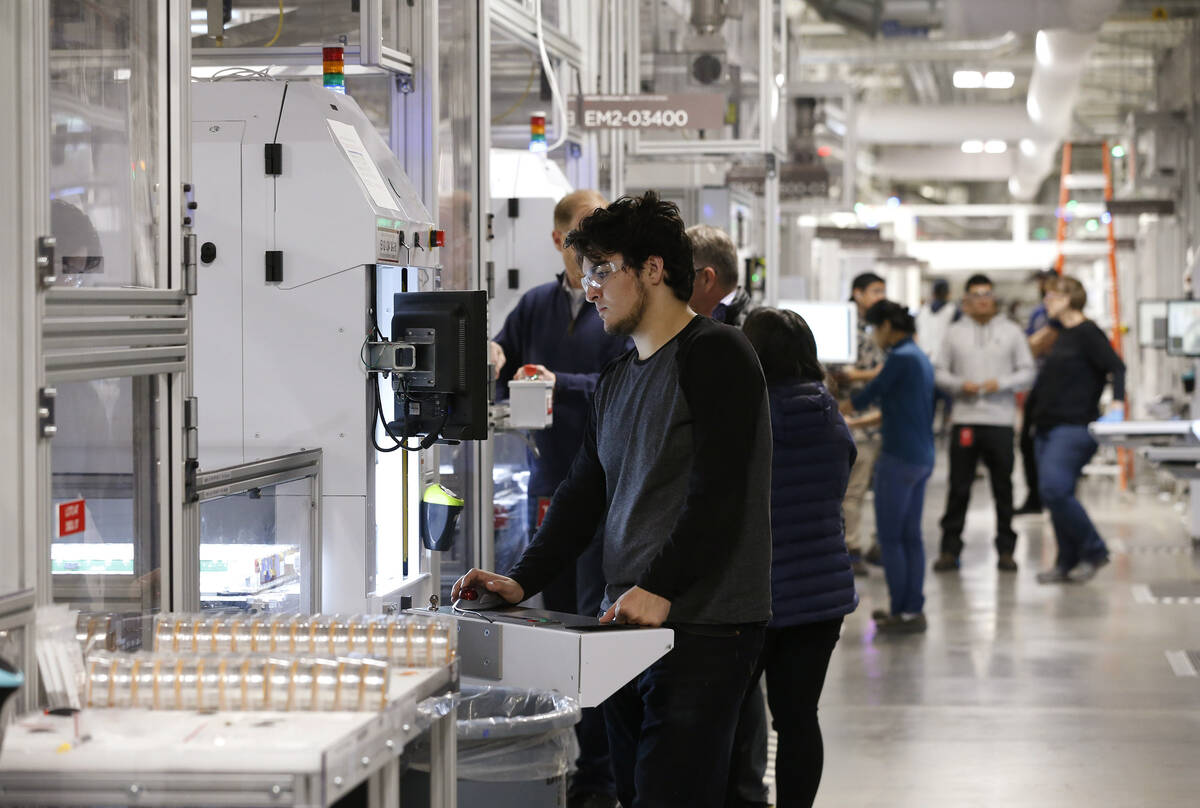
x=912, y=50
x=940, y=163
x=981, y=18
x=1035, y=129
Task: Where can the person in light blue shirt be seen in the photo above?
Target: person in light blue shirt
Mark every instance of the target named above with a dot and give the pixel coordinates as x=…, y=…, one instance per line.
x=904, y=392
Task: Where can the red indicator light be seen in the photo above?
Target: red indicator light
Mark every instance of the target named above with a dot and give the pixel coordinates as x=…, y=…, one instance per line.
x=468, y=594
x=824, y=151
x=331, y=54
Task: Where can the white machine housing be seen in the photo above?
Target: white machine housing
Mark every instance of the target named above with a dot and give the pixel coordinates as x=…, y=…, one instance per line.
x=277, y=365
x=522, y=242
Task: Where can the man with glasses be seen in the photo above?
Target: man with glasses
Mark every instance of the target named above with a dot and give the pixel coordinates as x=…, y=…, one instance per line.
x=675, y=470
x=716, y=293
x=553, y=333
x=983, y=362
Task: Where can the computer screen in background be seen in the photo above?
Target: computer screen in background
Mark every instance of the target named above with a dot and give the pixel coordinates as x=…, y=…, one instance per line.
x=834, y=326
x=1152, y=323
x=1183, y=327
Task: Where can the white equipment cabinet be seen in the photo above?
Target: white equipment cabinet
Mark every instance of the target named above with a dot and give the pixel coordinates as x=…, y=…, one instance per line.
x=298, y=195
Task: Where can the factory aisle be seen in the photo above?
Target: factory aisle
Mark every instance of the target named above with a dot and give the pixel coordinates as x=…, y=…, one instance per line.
x=1023, y=694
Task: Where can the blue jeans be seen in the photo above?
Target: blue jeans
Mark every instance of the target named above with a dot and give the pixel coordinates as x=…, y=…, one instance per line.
x=671, y=729
x=1062, y=452
x=899, y=502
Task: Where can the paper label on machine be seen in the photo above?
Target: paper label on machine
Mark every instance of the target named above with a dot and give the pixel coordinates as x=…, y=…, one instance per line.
x=387, y=246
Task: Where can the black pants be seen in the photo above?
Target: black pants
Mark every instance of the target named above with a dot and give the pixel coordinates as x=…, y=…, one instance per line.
x=1029, y=456
x=994, y=446
x=795, y=660
x=671, y=728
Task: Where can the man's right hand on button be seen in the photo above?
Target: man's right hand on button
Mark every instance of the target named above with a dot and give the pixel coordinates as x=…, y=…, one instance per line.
x=506, y=588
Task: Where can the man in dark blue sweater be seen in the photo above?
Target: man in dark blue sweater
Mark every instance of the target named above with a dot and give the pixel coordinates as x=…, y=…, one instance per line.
x=557, y=332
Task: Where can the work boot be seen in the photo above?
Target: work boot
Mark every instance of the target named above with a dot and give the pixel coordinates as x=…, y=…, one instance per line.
x=946, y=563
x=874, y=555
x=1006, y=563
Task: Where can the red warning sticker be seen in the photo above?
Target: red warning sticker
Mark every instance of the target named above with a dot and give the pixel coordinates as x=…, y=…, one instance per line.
x=71, y=517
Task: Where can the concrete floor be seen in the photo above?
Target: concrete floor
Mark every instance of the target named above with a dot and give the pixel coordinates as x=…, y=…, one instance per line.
x=1023, y=694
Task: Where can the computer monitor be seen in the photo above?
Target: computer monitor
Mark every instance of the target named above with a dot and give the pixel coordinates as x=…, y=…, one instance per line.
x=445, y=393
x=834, y=326
x=1152, y=323
x=1183, y=327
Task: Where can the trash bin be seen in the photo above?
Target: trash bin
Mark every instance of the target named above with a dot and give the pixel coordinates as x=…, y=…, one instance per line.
x=515, y=748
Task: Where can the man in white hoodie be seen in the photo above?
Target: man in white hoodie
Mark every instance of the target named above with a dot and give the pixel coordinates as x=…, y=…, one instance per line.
x=983, y=362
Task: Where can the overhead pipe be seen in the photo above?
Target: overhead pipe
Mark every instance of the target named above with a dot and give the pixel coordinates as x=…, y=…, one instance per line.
x=911, y=50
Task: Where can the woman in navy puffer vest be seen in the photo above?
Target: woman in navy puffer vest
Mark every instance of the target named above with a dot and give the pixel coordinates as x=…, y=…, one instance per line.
x=812, y=584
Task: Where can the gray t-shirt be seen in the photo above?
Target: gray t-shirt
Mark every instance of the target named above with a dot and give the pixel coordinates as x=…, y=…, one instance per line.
x=676, y=467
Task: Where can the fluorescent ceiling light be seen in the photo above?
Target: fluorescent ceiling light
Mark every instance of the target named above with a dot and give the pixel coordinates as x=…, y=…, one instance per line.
x=998, y=79
x=995, y=147
x=972, y=146
x=968, y=79
x=1028, y=147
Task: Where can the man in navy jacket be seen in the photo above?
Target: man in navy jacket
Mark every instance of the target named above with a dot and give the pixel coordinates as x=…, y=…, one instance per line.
x=556, y=330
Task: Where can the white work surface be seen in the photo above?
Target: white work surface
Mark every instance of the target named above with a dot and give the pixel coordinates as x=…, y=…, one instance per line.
x=228, y=758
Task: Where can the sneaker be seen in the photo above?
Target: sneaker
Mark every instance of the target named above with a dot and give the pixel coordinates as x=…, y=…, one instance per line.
x=1030, y=506
x=1006, y=563
x=859, y=567
x=1085, y=571
x=874, y=555
x=902, y=624
x=881, y=614
x=1052, y=576
x=946, y=563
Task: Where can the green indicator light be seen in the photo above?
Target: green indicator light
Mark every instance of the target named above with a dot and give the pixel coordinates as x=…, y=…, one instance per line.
x=1118, y=151
x=1093, y=225
x=1041, y=233
x=1073, y=204
x=382, y=222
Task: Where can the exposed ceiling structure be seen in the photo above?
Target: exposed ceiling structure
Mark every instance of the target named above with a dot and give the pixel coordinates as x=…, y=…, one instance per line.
x=965, y=98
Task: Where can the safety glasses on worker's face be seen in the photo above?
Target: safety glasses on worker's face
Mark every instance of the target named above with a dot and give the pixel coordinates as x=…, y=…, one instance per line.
x=598, y=275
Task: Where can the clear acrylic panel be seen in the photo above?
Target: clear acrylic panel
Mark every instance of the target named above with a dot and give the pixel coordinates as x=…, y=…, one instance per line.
x=258, y=24
x=104, y=555
x=105, y=166
x=256, y=549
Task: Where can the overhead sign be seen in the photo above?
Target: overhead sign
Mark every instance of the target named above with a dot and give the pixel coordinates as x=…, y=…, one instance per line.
x=670, y=111
x=71, y=517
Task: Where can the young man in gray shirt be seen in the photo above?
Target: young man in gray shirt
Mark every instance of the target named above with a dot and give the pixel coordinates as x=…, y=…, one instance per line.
x=983, y=362
x=675, y=469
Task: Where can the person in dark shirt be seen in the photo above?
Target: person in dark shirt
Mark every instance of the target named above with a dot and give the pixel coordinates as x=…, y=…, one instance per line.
x=716, y=293
x=904, y=390
x=1041, y=334
x=675, y=468
x=812, y=583
x=1065, y=399
x=554, y=333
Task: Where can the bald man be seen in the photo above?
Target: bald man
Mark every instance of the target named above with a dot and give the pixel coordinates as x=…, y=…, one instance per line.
x=554, y=329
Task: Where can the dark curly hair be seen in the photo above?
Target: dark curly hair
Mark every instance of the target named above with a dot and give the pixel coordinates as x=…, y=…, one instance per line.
x=637, y=228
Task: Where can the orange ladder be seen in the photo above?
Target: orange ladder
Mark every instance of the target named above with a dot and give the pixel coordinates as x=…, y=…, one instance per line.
x=1069, y=182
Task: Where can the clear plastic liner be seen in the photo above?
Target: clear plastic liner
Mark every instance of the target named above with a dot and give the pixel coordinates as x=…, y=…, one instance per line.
x=237, y=682
x=408, y=640
x=511, y=735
